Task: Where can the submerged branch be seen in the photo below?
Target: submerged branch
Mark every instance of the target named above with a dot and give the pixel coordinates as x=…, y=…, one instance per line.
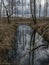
x=30, y=51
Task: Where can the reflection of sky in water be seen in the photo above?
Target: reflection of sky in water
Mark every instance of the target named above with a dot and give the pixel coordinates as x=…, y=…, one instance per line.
x=23, y=39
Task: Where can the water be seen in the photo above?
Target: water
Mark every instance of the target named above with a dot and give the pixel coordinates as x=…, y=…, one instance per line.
x=20, y=53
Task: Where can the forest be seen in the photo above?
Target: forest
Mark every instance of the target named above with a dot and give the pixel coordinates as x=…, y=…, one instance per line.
x=24, y=32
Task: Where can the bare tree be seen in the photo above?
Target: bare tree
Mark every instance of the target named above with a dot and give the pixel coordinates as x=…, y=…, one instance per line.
x=0, y=8
x=11, y=5
x=33, y=13
x=45, y=8
x=31, y=10
x=22, y=7
x=7, y=12
x=39, y=8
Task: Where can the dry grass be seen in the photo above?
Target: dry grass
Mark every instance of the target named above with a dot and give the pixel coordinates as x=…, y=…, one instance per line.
x=7, y=32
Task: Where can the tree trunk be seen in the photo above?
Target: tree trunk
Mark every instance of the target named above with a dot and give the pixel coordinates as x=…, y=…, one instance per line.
x=33, y=11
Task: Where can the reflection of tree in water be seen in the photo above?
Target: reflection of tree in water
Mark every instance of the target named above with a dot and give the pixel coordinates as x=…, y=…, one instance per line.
x=20, y=52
